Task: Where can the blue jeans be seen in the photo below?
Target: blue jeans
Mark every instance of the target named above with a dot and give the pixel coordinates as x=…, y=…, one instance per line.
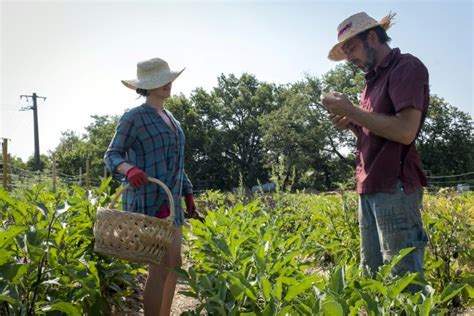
x=389, y=222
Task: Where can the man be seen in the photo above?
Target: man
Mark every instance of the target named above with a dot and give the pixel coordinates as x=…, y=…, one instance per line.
x=391, y=113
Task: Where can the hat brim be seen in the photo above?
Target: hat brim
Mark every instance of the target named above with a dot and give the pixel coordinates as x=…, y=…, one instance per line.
x=337, y=54
x=152, y=82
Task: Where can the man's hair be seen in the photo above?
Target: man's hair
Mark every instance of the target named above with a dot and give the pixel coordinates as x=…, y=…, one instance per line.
x=381, y=34
x=142, y=92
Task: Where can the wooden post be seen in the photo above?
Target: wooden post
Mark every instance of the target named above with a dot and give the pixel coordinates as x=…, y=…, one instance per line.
x=87, y=173
x=80, y=176
x=9, y=172
x=54, y=173
x=5, y=164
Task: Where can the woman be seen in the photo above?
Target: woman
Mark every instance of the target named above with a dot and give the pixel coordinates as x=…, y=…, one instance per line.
x=149, y=141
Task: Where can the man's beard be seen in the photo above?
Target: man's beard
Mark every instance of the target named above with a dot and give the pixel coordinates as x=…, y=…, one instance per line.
x=369, y=65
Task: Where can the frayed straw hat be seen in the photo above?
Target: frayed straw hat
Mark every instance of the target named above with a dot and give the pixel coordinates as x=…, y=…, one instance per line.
x=354, y=25
x=152, y=74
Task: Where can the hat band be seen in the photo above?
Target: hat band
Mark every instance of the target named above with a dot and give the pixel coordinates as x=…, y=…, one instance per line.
x=345, y=28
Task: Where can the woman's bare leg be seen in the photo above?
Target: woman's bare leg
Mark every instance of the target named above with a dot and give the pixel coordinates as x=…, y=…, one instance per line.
x=161, y=282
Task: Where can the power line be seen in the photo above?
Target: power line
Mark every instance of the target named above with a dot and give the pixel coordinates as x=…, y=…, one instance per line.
x=453, y=181
x=13, y=110
x=451, y=176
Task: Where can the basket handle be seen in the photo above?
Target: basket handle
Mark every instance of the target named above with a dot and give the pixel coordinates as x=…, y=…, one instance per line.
x=150, y=179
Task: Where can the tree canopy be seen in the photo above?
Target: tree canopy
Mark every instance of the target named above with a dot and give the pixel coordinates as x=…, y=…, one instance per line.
x=243, y=127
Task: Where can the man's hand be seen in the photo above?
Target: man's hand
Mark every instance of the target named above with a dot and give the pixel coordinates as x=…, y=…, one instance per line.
x=340, y=122
x=338, y=104
x=191, y=211
x=136, y=177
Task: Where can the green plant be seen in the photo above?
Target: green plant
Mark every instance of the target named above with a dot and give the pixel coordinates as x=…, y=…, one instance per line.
x=47, y=259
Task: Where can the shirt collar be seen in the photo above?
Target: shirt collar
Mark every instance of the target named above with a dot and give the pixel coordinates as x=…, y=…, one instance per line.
x=393, y=55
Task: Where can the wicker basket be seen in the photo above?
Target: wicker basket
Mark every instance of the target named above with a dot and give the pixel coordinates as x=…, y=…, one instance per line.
x=134, y=236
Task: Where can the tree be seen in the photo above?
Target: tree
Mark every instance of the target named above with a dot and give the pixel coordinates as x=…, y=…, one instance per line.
x=45, y=163
x=299, y=134
x=98, y=136
x=446, y=142
x=223, y=131
x=71, y=153
x=75, y=150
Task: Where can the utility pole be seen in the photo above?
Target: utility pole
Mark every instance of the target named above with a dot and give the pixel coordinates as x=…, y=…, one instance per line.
x=35, y=121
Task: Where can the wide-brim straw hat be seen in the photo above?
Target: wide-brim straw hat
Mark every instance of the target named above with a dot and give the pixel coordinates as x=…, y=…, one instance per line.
x=152, y=74
x=352, y=26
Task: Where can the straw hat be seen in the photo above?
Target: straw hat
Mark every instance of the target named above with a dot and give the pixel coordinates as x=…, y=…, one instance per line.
x=151, y=74
x=352, y=26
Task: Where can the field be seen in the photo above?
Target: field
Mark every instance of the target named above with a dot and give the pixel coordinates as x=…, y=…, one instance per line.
x=264, y=254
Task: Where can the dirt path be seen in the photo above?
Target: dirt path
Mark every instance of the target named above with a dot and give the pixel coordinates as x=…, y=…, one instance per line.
x=181, y=303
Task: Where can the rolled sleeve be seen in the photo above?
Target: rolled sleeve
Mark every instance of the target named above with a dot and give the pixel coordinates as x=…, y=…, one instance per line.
x=116, y=153
x=187, y=185
x=408, y=84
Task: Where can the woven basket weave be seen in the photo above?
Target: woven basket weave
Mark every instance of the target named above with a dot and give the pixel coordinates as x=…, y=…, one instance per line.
x=134, y=236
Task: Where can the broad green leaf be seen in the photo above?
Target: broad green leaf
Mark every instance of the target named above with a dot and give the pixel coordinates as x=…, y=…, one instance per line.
x=400, y=285
x=336, y=282
x=9, y=235
x=427, y=306
x=236, y=287
x=332, y=308
x=266, y=287
x=452, y=290
x=296, y=289
x=277, y=289
x=385, y=270
x=283, y=261
x=286, y=311
x=377, y=286
x=14, y=302
x=104, y=184
x=372, y=305
x=302, y=308
x=67, y=308
x=6, y=256
x=13, y=272
x=249, y=289
x=269, y=309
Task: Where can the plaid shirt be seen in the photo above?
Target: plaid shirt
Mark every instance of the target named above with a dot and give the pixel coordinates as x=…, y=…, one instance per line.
x=143, y=139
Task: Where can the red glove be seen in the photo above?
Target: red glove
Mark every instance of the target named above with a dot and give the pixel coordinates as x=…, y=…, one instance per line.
x=190, y=205
x=164, y=211
x=136, y=177
x=191, y=211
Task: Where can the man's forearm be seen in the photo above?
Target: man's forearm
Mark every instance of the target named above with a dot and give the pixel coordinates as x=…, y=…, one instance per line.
x=392, y=127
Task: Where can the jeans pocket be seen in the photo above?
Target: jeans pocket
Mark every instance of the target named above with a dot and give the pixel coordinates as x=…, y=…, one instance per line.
x=417, y=238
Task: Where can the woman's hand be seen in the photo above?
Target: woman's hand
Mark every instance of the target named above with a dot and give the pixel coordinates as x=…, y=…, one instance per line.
x=191, y=211
x=136, y=177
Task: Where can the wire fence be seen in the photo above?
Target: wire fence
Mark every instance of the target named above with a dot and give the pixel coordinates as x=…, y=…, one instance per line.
x=22, y=178
x=461, y=182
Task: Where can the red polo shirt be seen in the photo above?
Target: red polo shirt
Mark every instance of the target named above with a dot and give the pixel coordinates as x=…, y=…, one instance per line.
x=399, y=82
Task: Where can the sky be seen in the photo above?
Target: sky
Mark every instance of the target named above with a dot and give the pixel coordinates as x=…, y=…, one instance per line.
x=75, y=53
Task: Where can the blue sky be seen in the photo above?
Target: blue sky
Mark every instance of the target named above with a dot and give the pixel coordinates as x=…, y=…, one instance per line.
x=75, y=52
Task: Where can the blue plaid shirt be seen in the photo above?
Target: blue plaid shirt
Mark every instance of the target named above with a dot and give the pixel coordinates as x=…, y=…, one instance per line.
x=143, y=139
